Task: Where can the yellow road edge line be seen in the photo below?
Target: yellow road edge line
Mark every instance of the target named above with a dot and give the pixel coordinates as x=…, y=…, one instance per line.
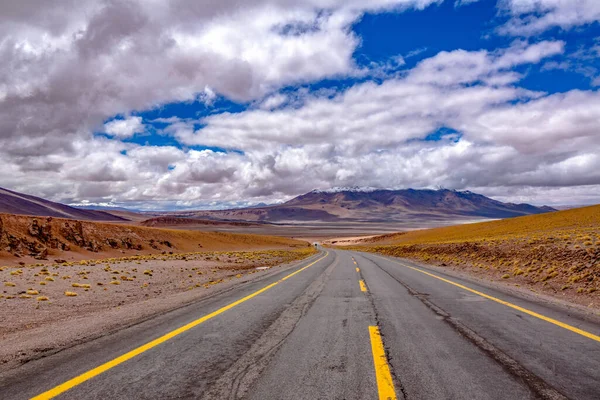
x=363, y=287
x=137, y=351
x=385, y=384
x=506, y=303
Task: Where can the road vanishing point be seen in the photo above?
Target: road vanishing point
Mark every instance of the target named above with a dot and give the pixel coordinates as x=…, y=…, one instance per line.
x=339, y=325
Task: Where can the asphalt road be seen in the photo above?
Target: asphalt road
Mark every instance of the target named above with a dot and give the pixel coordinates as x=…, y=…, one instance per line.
x=341, y=325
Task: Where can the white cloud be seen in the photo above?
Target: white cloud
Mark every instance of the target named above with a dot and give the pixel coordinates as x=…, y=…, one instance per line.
x=273, y=101
x=460, y=3
x=70, y=65
x=460, y=66
x=563, y=122
x=124, y=128
x=438, y=91
x=372, y=134
x=529, y=17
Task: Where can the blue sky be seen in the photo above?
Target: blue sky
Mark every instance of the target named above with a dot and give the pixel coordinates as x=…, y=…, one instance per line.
x=177, y=106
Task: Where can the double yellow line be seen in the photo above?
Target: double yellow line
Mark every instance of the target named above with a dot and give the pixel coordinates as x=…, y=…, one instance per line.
x=135, y=352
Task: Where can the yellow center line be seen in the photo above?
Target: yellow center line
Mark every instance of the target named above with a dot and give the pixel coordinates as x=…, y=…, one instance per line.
x=363, y=287
x=135, y=352
x=506, y=303
x=385, y=384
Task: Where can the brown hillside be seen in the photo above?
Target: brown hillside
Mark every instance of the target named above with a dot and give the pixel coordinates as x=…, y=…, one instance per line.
x=556, y=253
x=24, y=204
x=23, y=238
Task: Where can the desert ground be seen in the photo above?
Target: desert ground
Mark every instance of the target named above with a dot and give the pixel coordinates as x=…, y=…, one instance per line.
x=312, y=231
x=46, y=307
x=64, y=281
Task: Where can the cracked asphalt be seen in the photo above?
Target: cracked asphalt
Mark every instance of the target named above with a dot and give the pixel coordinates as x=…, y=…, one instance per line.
x=303, y=333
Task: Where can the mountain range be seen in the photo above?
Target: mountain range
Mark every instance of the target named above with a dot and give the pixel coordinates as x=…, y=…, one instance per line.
x=333, y=205
x=375, y=205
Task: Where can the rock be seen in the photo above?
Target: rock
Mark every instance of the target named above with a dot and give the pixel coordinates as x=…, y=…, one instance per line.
x=73, y=233
x=60, y=261
x=92, y=245
x=15, y=244
x=34, y=228
x=41, y=232
x=42, y=255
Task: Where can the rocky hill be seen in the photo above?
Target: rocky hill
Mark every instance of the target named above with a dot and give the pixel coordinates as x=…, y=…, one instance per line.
x=26, y=238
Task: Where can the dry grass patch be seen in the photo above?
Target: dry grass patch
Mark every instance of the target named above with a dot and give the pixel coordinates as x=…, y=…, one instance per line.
x=81, y=285
x=553, y=252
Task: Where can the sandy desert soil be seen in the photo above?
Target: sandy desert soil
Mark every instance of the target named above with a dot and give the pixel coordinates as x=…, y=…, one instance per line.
x=557, y=254
x=45, y=307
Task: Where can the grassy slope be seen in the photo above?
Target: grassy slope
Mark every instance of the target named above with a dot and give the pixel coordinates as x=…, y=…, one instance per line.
x=569, y=222
x=556, y=253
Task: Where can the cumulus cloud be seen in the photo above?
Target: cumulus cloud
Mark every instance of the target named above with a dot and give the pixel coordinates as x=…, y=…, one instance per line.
x=529, y=17
x=374, y=134
x=443, y=90
x=124, y=128
x=460, y=66
x=459, y=3
x=273, y=101
x=70, y=65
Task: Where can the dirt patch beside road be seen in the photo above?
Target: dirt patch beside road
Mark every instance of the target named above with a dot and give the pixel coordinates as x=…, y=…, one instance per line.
x=48, y=307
